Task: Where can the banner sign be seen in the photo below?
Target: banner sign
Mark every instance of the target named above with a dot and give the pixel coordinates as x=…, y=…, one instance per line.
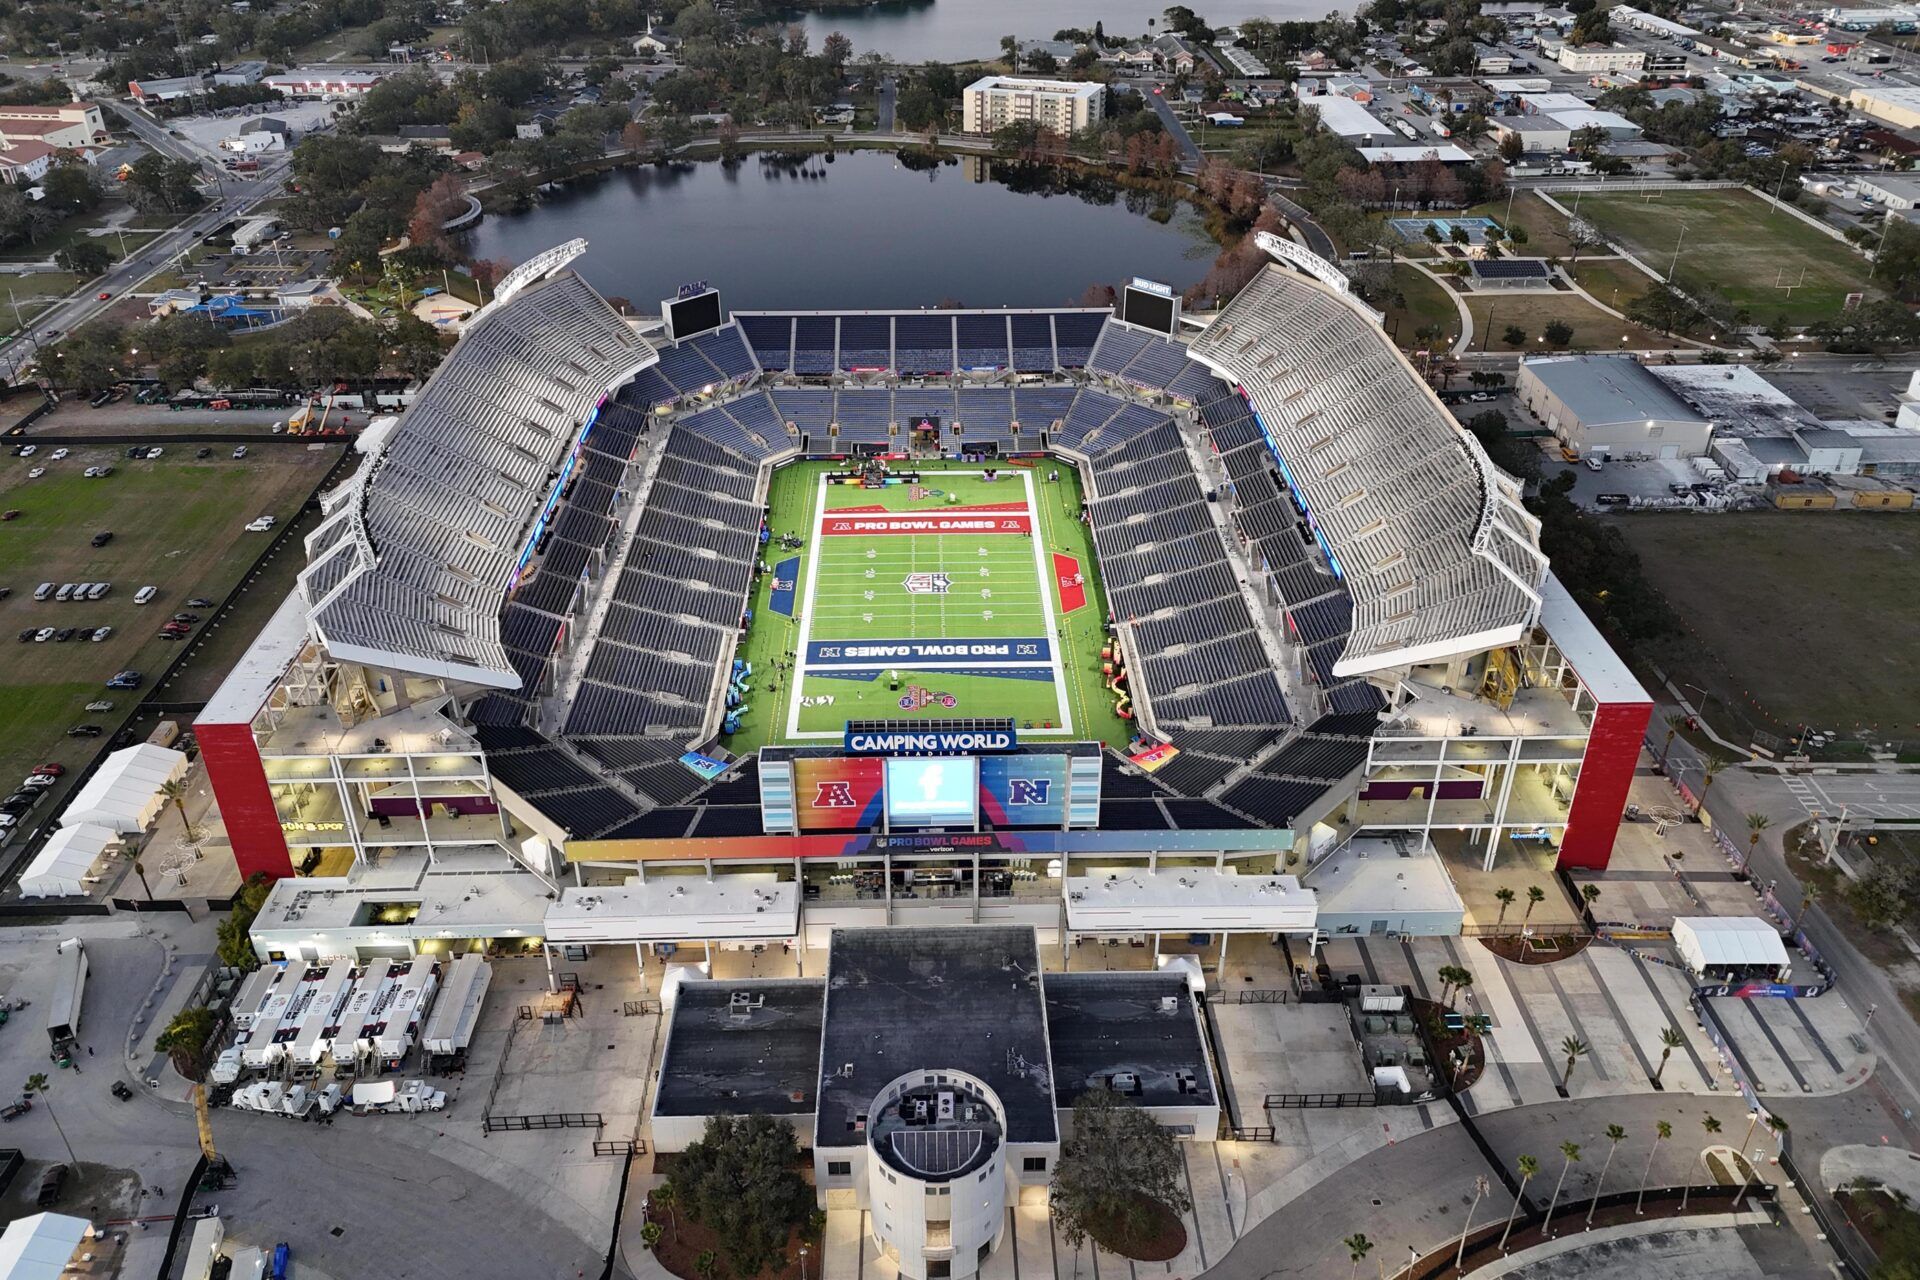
x=869, y=653
x=930, y=742
x=915, y=522
x=836, y=793
x=1024, y=790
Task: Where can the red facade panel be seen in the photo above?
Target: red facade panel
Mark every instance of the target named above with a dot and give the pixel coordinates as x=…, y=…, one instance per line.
x=1606, y=776
x=246, y=801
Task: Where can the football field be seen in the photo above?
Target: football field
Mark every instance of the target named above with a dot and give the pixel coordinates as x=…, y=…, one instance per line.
x=931, y=600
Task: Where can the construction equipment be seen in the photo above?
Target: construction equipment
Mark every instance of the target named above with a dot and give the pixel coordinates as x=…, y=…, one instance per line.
x=219, y=1174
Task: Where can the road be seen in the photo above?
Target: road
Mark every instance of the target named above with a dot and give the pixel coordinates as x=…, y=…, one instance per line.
x=889, y=94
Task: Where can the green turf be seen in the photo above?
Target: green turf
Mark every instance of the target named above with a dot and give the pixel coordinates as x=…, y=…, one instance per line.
x=842, y=611
x=1736, y=245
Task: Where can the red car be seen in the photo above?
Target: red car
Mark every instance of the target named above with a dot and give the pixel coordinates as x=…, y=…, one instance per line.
x=104, y=295
x=50, y=770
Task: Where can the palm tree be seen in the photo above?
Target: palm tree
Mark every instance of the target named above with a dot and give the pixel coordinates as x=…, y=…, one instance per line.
x=176, y=793
x=1712, y=1126
x=1674, y=720
x=706, y=1264
x=1614, y=1134
x=37, y=1084
x=1661, y=1132
x=1480, y=1188
x=1571, y=1150
x=662, y=1197
x=1462, y=979
x=1590, y=894
x=1807, y=895
x=650, y=1233
x=1753, y=1122
x=184, y=1040
x=141, y=871
x=1358, y=1247
x=1756, y=823
x=1528, y=1167
x=1504, y=896
x=1575, y=1048
x=1670, y=1039
x=1710, y=768
x=1535, y=896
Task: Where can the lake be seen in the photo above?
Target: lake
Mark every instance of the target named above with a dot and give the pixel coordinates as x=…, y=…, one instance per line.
x=961, y=30
x=863, y=231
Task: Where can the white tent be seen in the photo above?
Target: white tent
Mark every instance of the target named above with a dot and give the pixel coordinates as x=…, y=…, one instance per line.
x=40, y=1247
x=56, y=870
x=1718, y=944
x=124, y=793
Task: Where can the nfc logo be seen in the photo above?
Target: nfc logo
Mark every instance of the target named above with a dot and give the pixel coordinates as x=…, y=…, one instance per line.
x=833, y=795
x=1028, y=790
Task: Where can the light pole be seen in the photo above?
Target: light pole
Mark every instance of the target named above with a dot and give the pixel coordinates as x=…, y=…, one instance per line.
x=1675, y=264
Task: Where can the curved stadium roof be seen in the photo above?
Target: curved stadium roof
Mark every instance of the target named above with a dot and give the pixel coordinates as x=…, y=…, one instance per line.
x=1430, y=537
x=409, y=567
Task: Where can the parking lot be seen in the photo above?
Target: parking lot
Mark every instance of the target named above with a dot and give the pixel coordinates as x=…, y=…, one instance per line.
x=178, y=524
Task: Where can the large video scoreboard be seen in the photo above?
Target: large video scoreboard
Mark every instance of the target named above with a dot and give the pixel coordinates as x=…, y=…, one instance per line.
x=929, y=775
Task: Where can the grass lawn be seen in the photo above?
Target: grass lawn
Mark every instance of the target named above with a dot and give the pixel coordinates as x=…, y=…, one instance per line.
x=1735, y=245
x=1546, y=226
x=1427, y=303
x=1771, y=599
x=1614, y=281
x=1533, y=310
x=841, y=611
x=177, y=525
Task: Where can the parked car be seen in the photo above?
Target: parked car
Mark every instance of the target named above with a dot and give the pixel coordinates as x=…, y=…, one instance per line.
x=58, y=454
x=128, y=679
x=37, y=782
x=240, y=451
x=98, y=589
x=26, y=634
x=100, y=633
x=85, y=731
x=155, y=452
x=63, y=635
x=65, y=592
x=145, y=594
x=199, y=602
x=42, y=591
x=103, y=537
x=1593, y=463
x=55, y=1178
x=101, y=704
x=26, y=450
x=36, y=473
x=55, y=769
x=186, y=617
x=43, y=635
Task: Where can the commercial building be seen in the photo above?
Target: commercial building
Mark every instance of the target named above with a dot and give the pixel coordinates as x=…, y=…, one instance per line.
x=71, y=125
x=240, y=74
x=1345, y=117
x=1889, y=103
x=933, y=1073
x=1587, y=59
x=324, y=82
x=1895, y=194
x=1064, y=106
x=1611, y=406
x=24, y=162
x=166, y=89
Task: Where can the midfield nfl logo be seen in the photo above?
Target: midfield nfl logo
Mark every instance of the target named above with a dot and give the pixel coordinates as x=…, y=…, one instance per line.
x=920, y=492
x=927, y=584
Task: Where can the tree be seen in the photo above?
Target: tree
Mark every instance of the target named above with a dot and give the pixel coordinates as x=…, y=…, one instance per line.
x=37, y=1085
x=1570, y=1150
x=706, y=1264
x=185, y=1038
x=1119, y=1163
x=662, y=1197
x=1675, y=719
x=1589, y=894
x=1662, y=307
x=837, y=50
x=157, y=184
x=1480, y=1188
x=1528, y=1167
x=1512, y=148
x=1711, y=767
x=1670, y=1039
x=1504, y=896
x=1462, y=982
x=1010, y=46
x=1614, y=1134
x=650, y=1234
x=139, y=869
x=175, y=792
x=1558, y=333
x=740, y=1181
x=1711, y=1126
x=1535, y=896
x=85, y=258
x=1662, y=1130
x=1592, y=27
x=1756, y=823
x=1358, y=1247
x=70, y=187
x=235, y=947
x=1514, y=336
x=91, y=359
x=1575, y=1048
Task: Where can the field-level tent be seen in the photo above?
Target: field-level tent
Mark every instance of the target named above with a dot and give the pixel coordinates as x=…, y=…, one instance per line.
x=124, y=794
x=41, y=1247
x=59, y=870
x=1735, y=947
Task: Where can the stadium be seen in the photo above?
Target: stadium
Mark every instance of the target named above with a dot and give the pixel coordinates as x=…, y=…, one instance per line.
x=715, y=632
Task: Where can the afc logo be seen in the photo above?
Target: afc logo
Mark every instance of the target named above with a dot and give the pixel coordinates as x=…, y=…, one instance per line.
x=1028, y=791
x=834, y=795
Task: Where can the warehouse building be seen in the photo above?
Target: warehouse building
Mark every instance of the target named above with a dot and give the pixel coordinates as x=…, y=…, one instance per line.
x=1610, y=406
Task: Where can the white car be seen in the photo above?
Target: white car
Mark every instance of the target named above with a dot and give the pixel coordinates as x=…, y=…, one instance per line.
x=155, y=452
x=101, y=633
x=37, y=782
x=36, y=473
x=58, y=454
x=43, y=635
x=28, y=450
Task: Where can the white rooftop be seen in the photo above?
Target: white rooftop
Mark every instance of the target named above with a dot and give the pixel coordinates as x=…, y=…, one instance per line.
x=1370, y=875
x=671, y=907
x=1710, y=941
x=1600, y=669
x=1135, y=900
x=462, y=895
x=1346, y=117
x=253, y=679
x=39, y=1247
x=123, y=793
x=1413, y=153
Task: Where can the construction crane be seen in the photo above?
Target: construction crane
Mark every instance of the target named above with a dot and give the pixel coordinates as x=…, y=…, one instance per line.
x=219, y=1173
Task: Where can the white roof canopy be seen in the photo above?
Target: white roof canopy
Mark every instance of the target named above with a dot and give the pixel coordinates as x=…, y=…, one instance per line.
x=124, y=794
x=58, y=869
x=40, y=1247
x=1713, y=942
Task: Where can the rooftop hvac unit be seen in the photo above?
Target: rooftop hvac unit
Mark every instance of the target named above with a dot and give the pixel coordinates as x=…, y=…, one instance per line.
x=1124, y=1082
x=1169, y=1004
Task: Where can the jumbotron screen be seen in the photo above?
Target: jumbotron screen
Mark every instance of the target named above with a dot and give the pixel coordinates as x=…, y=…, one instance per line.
x=690, y=316
x=935, y=791
x=1147, y=309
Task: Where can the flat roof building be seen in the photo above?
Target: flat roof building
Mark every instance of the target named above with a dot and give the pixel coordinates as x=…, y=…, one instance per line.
x=1064, y=106
x=1611, y=406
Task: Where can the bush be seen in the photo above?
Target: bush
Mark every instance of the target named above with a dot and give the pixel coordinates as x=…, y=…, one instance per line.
x=741, y=1180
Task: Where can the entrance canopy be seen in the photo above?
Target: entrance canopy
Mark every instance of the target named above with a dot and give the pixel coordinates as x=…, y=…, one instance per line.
x=58, y=870
x=1740, y=944
x=124, y=794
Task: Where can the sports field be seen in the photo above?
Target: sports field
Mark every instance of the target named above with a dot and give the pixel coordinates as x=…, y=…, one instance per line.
x=958, y=596
x=1729, y=242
